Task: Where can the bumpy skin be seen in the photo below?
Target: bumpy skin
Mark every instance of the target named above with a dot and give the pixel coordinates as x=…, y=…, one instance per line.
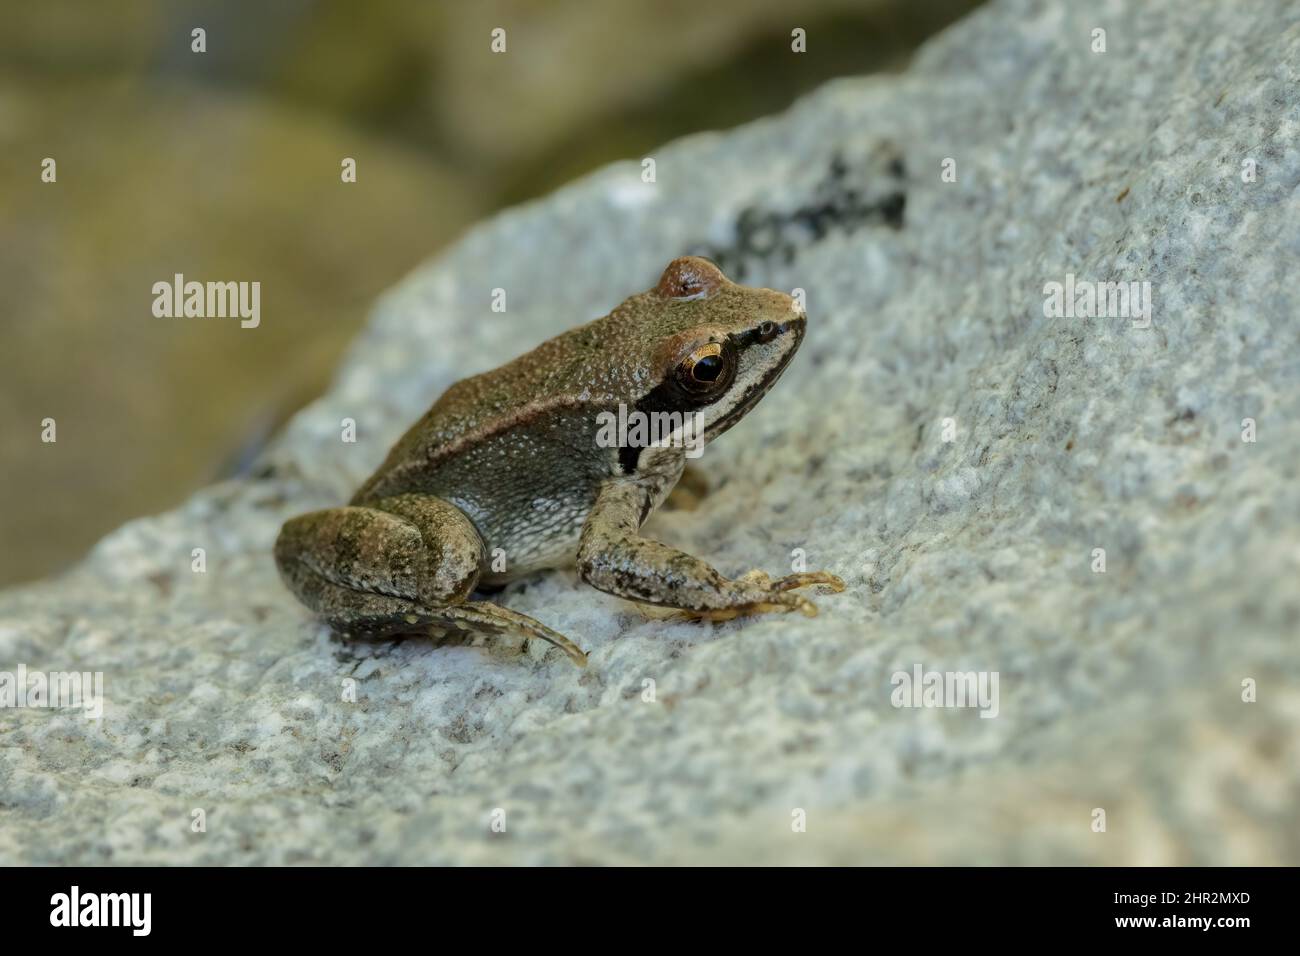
x=508, y=464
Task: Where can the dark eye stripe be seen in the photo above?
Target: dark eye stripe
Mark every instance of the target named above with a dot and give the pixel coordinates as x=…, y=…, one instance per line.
x=744, y=340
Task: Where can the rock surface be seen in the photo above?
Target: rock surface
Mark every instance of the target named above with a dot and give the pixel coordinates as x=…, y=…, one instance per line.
x=1119, y=690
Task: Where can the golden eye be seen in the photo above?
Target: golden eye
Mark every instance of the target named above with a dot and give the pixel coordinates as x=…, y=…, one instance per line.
x=710, y=368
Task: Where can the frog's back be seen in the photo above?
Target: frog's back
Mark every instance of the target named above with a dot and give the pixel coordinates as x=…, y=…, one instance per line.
x=473, y=412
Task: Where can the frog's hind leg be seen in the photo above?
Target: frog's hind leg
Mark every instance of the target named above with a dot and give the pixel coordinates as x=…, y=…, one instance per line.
x=380, y=615
x=363, y=613
x=400, y=565
x=411, y=547
x=479, y=616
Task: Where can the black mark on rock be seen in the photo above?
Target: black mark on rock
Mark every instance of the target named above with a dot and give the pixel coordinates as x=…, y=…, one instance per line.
x=849, y=196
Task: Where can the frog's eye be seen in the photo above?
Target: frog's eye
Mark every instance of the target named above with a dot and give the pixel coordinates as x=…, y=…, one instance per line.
x=708, y=370
x=689, y=277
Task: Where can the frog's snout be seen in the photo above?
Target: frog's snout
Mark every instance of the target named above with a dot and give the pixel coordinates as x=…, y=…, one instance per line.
x=794, y=325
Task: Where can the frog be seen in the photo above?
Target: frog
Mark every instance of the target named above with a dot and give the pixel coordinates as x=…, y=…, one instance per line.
x=506, y=476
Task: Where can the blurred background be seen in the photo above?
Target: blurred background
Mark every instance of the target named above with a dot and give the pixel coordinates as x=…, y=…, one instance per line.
x=225, y=165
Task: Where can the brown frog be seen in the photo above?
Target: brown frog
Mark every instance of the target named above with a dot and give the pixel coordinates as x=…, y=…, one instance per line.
x=513, y=471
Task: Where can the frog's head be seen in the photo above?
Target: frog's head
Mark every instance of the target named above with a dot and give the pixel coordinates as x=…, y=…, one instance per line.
x=720, y=346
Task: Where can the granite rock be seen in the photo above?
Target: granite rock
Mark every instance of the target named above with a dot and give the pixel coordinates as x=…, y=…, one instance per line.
x=954, y=449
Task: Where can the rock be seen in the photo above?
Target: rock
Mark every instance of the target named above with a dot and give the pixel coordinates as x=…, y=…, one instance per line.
x=950, y=449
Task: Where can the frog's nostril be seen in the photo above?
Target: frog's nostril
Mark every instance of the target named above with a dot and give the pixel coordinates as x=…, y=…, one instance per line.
x=767, y=331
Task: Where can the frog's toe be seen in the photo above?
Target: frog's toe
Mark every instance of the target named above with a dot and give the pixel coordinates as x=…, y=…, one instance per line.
x=809, y=578
x=793, y=602
x=484, y=615
x=772, y=602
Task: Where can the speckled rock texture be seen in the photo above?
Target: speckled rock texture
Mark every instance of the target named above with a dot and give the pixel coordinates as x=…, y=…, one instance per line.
x=968, y=544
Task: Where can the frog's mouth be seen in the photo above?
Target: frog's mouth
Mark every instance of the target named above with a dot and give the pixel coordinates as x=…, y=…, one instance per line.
x=754, y=394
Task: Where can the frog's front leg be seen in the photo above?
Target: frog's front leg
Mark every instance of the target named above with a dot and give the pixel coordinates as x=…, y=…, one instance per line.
x=398, y=565
x=613, y=557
